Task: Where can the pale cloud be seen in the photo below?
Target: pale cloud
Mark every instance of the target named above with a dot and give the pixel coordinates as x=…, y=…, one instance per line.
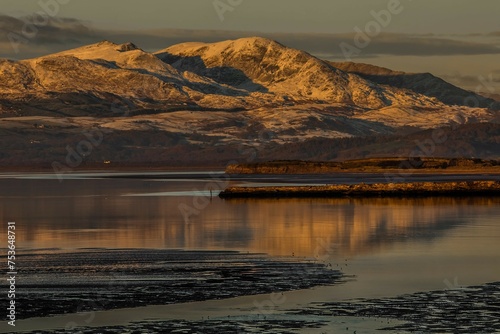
x=26, y=37
x=63, y=33
x=482, y=84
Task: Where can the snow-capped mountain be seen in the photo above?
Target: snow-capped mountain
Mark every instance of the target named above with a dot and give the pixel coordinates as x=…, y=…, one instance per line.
x=422, y=83
x=283, y=74
x=243, y=74
x=238, y=92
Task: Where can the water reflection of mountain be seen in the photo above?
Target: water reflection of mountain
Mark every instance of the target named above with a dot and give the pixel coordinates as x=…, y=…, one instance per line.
x=354, y=226
x=94, y=214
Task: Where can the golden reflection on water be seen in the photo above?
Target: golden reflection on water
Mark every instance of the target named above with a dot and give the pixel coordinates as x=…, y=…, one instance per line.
x=303, y=227
x=350, y=227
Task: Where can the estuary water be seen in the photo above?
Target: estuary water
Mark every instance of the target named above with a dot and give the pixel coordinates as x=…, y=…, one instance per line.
x=389, y=246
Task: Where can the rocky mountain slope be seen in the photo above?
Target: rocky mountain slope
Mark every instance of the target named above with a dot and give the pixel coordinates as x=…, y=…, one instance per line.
x=421, y=83
x=221, y=97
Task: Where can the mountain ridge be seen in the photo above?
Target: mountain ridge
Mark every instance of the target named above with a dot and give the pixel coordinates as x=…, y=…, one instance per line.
x=282, y=70
x=247, y=73
x=251, y=94
x=422, y=83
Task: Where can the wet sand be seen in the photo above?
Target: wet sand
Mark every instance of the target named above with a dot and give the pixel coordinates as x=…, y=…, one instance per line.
x=168, y=291
x=55, y=282
x=460, y=310
x=474, y=309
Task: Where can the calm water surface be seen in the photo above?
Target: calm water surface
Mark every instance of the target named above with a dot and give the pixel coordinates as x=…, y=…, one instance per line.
x=391, y=245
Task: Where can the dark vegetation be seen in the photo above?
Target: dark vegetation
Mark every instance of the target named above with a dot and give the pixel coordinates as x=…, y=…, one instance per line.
x=403, y=189
x=369, y=165
x=40, y=146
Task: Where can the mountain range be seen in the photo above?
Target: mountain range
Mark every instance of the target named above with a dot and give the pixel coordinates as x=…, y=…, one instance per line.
x=207, y=103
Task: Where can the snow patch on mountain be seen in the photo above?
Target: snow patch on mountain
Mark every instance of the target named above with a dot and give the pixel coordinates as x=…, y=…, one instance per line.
x=427, y=117
x=284, y=90
x=263, y=65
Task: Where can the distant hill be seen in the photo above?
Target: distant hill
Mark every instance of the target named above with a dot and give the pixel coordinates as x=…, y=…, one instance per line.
x=372, y=165
x=422, y=83
x=251, y=99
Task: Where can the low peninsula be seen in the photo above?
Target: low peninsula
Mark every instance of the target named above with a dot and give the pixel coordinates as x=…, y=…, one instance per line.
x=412, y=189
x=370, y=165
x=388, y=166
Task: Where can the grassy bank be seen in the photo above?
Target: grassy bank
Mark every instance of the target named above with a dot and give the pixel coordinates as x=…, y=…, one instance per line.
x=414, y=189
x=373, y=165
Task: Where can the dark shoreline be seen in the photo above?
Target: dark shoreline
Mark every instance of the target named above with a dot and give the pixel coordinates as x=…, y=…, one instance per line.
x=85, y=280
x=472, y=309
x=412, y=189
x=395, y=165
x=461, y=310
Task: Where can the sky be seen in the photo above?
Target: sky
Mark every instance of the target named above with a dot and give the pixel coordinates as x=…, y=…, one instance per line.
x=458, y=40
